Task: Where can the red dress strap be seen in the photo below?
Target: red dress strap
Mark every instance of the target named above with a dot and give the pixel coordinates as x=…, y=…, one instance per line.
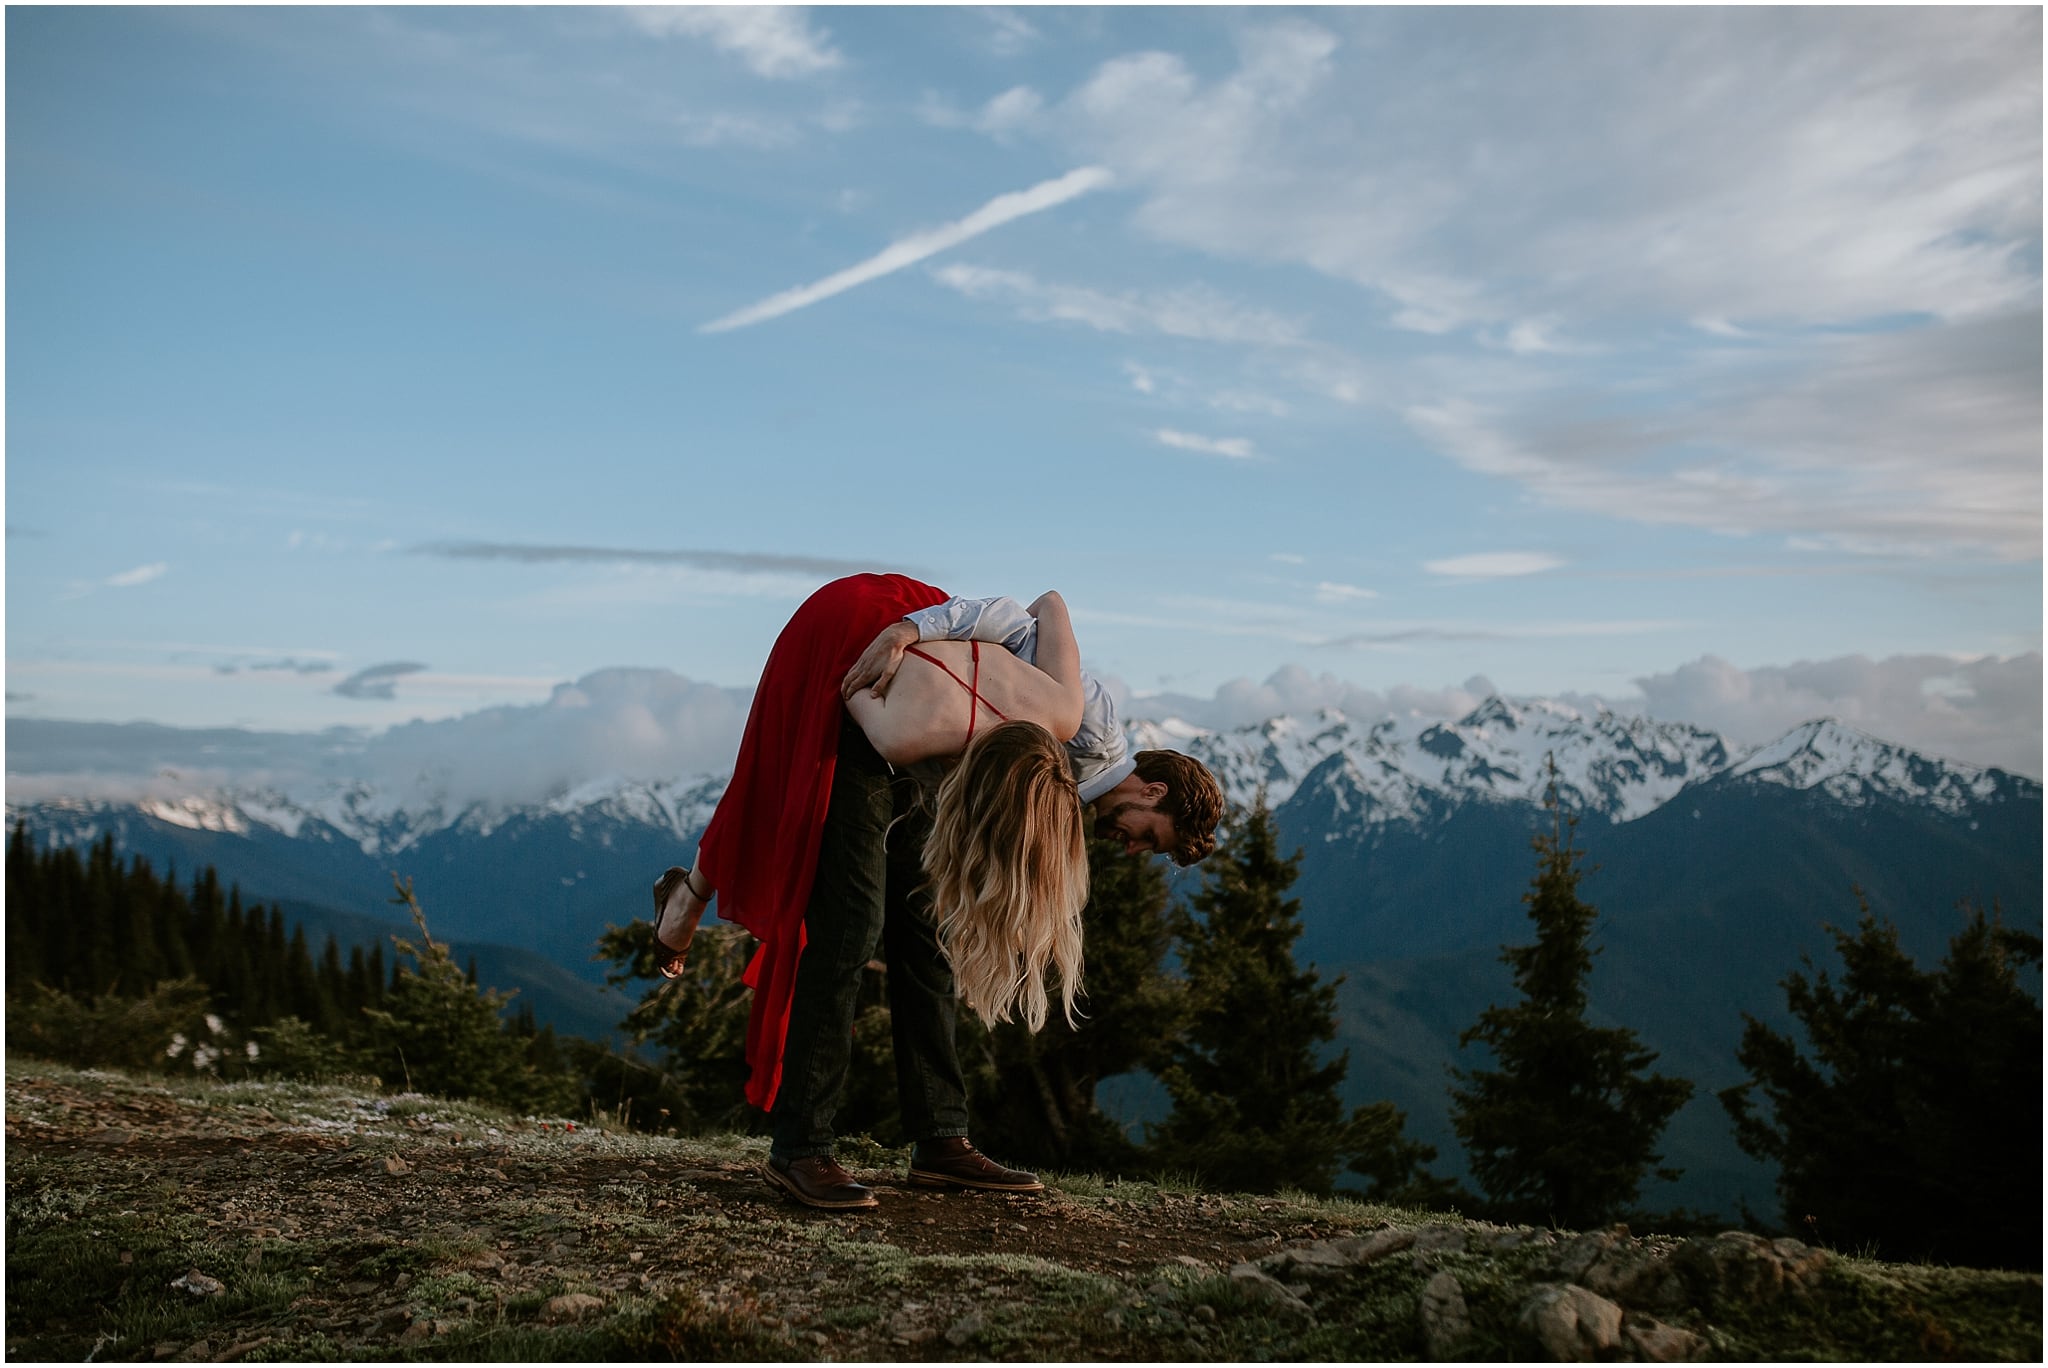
x=975, y=701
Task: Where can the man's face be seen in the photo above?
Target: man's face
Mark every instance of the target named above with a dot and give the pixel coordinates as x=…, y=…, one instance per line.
x=1142, y=827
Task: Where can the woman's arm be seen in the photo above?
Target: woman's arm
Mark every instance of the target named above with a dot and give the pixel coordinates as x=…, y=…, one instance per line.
x=1059, y=660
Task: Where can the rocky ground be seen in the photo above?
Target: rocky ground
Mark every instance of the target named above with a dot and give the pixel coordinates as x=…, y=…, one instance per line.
x=195, y=1221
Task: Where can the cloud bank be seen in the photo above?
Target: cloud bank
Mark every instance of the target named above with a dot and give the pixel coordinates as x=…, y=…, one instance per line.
x=657, y=725
x=1756, y=271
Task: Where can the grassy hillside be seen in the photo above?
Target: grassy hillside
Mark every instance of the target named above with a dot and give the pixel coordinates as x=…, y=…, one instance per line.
x=151, y=1219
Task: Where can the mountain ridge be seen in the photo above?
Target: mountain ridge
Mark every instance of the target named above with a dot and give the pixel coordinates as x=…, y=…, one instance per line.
x=1609, y=766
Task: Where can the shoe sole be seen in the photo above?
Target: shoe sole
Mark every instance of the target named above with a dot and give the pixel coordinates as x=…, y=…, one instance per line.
x=923, y=1178
x=778, y=1180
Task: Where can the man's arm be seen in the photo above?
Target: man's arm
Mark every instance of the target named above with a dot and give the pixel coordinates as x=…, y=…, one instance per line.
x=1003, y=621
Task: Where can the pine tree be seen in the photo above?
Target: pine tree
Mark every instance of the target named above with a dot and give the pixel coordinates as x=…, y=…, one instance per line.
x=1038, y=1091
x=1565, y=1126
x=1254, y=1108
x=441, y=1034
x=1915, y=1128
x=26, y=941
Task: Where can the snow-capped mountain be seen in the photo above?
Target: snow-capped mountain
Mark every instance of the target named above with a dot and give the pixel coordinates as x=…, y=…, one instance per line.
x=1372, y=772
x=1607, y=766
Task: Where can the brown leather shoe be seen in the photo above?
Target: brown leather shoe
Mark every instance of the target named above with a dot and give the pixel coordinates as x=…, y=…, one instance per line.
x=953, y=1161
x=817, y=1181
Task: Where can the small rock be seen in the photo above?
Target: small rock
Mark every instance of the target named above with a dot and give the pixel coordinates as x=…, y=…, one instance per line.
x=1572, y=1324
x=1434, y=1240
x=1255, y=1281
x=571, y=1306
x=110, y=1136
x=198, y=1284
x=1381, y=1243
x=635, y=1257
x=1203, y=1313
x=1190, y=1261
x=1446, y=1323
x=1738, y=1267
x=1321, y=1256
x=395, y=1165
x=1656, y=1342
x=962, y=1331
x=1581, y=1253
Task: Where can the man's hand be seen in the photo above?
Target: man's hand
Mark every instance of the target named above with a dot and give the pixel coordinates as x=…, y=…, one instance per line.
x=877, y=664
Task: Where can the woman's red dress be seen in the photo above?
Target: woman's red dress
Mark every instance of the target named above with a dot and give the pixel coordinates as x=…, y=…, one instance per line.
x=761, y=850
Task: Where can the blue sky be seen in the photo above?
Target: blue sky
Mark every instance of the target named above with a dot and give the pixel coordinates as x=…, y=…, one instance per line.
x=369, y=367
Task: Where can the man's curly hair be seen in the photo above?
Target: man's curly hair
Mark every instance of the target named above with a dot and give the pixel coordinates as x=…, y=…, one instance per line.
x=1194, y=800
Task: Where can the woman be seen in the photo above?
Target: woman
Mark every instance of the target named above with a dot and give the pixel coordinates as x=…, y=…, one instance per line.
x=1006, y=861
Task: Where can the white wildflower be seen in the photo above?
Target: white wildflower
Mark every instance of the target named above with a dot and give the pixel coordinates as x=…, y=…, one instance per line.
x=215, y=1024
x=176, y=1047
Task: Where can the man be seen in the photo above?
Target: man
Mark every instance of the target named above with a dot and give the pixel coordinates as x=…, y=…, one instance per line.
x=868, y=889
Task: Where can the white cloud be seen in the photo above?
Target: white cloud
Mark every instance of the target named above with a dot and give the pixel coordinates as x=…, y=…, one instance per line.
x=1294, y=690
x=1494, y=564
x=1142, y=379
x=1915, y=441
x=1009, y=33
x=1288, y=558
x=1235, y=448
x=1984, y=711
x=1248, y=401
x=915, y=248
x=141, y=574
x=624, y=723
x=773, y=40
x=1812, y=166
x=1759, y=270
x=1193, y=311
x=1009, y=111
x=1330, y=591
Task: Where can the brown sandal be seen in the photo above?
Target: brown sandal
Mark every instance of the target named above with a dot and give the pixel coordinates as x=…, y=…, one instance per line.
x=664, y=888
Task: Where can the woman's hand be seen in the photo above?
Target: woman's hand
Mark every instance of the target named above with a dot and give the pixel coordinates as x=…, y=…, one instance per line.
x=878, y=663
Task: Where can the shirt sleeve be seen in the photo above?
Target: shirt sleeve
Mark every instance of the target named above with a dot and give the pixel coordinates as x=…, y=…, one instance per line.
x=1003, y=621
x=1099, y=753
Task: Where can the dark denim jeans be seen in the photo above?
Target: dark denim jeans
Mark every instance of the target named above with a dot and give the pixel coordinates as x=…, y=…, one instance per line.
x=868, y=893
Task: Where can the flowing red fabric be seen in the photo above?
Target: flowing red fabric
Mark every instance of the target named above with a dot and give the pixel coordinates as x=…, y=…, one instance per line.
x=761, y=850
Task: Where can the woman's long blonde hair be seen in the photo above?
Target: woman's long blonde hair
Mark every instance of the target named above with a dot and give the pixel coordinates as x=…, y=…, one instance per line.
x=1008, y=865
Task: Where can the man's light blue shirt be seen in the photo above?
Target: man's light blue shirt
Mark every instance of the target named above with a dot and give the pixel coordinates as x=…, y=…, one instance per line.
x=1098, y=753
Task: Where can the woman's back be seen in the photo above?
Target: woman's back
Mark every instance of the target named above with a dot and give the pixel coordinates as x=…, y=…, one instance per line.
x=926, y=712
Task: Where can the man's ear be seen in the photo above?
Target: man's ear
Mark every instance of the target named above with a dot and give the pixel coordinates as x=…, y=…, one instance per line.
x=1154, y=791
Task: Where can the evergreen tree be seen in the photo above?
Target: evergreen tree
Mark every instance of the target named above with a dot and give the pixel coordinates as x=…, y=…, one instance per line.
x=25, y=935
x=1038, y=1091
x=1915, y=1128
x=1565, y=1126
x=1254, y=1109
x=443, y=1035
